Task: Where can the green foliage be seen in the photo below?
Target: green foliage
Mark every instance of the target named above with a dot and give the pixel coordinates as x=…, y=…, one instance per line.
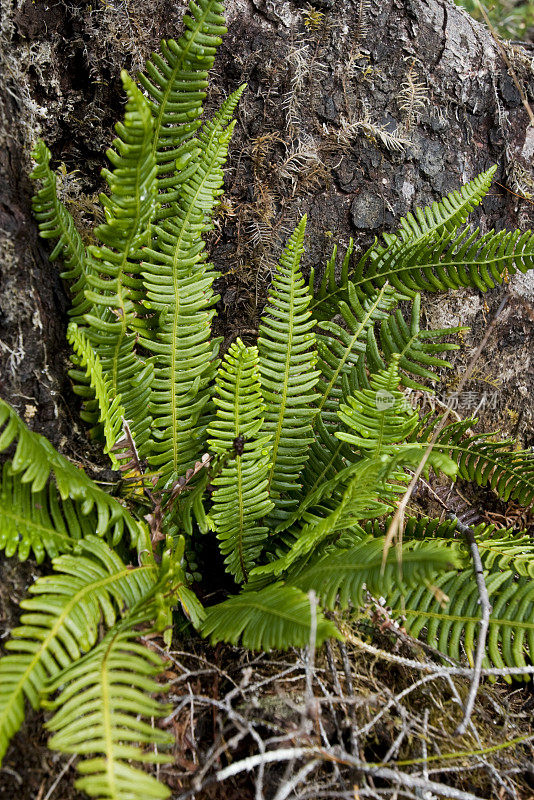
x=101, y=698
x=267, y=619
x=290, y=455
x=512, y=19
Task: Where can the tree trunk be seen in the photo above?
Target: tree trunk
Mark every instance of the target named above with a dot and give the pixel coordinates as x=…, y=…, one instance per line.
x=356, y=112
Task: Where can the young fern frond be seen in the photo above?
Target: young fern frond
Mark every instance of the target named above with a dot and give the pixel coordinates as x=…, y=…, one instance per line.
x=287, y=359
x=341, y=578
x=111, y=413
x=178, y=283
x=39, y=522
x=241, y=496
x=340, y=347
x=36, y=459
x=98, y=714
x=266, y=620
x=509, y=472
x=63, y=621
x=175, y=82
x=55, y=222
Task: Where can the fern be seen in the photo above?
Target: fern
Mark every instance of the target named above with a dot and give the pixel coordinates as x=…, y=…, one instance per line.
x=241, y=496
x=267, y=619
x=111, y=412
x=97, y=713
x=178, y=284
x=451, y=619
x=55, y=222
x=62, y=623
x=35, y=460
x=175, y=84
x=294, y=453
x=343, y=576
x=509, y=472
x=39, y=522
x=287, y=360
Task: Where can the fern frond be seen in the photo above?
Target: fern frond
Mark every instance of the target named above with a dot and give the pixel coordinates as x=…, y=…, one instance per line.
x=241, y=497
x=359, y=487
x=99, y=712
x=111, y=412
x=62, y=622
x=450, y=613
x=39, y=522
x=417, y=348
x=341, y=578
x=287, y=359
x=35, y=459
x=341, y=346
x=379, y=418
x=175, y=82
x=447, y=214
x=178, y=283
x=509, y=472
x=403, y=255
x=55, y=222
x=451, y=261
x=115, y=280
x=276, y=617
x=332, y=289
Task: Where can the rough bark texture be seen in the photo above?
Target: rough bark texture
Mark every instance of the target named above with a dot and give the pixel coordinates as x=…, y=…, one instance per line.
x=355, y=112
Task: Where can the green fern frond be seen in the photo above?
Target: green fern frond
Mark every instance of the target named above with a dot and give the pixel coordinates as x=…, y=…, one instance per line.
x=90, y=585
x=342, y=345
x=401, y=261
x=35, y=459
x=417, y=348
x=452, y=261
x=327, y=456
x=175, y=82
x=241, y=497
x=99, y=715
x=38, y=521
x=379, y=418
x=287, y=359
x=178, y=283
x=332, y=289
x=111, y=412
x=498, y=547
x=55, y=222
x=447, y=615
x=276, y=617
x=115, y=280
x=505, y=549
x=509, y=472
x=447, y=214
x=341, y=578
x=359, y=487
